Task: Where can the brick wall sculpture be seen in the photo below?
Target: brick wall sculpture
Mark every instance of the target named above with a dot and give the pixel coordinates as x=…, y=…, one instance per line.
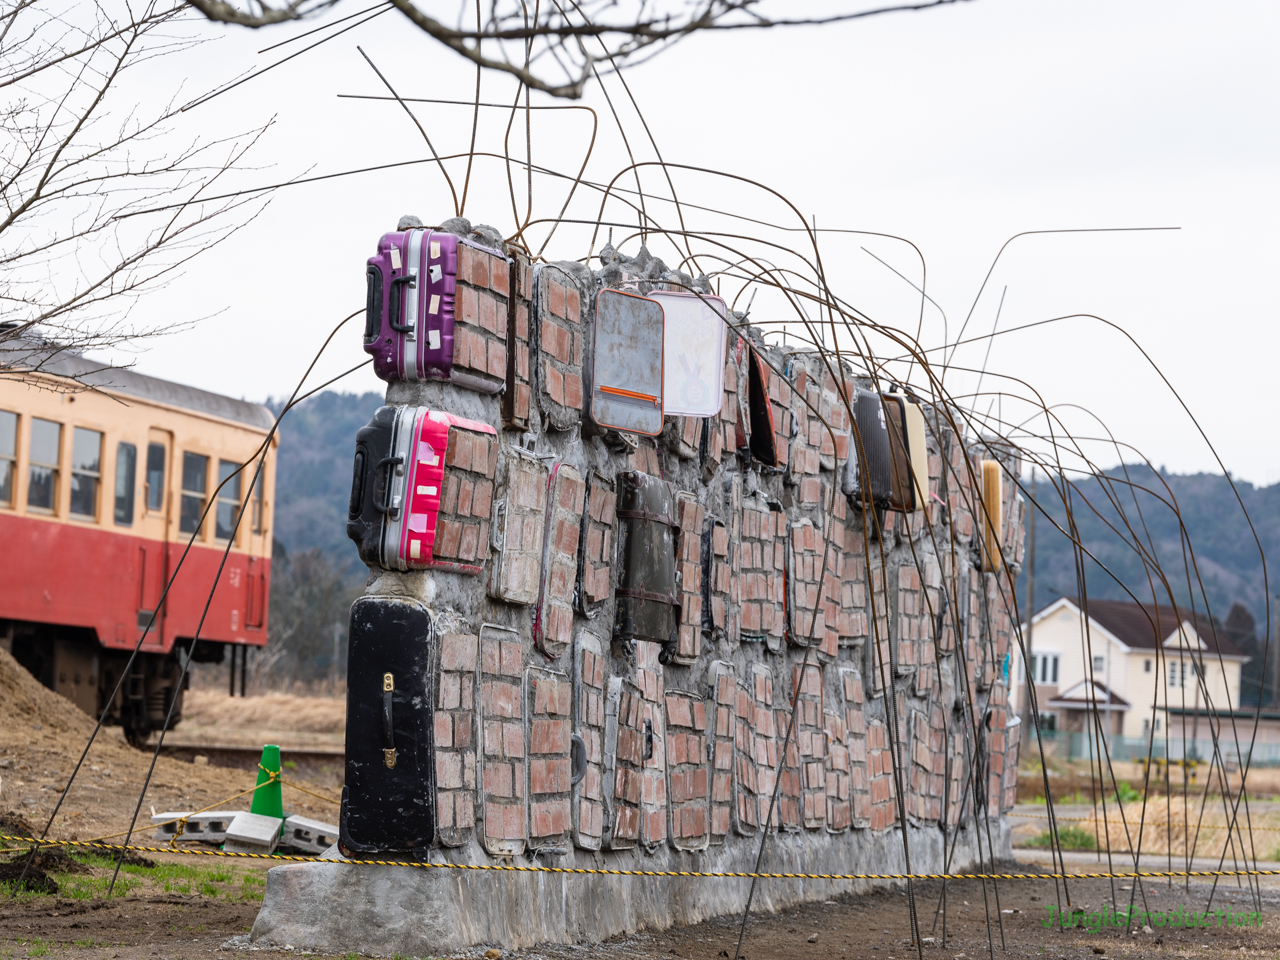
x=550, y=737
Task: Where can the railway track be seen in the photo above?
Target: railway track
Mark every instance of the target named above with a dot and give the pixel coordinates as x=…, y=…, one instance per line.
x=320, y=765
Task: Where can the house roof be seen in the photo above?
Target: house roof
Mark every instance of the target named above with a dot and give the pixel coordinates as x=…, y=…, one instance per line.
x=1147, y=627
x=1080, y=697
x=20, y=353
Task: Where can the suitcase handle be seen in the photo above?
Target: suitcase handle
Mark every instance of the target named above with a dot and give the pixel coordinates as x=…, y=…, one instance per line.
x=388, y=729
x=385, y=506
x=393, y=308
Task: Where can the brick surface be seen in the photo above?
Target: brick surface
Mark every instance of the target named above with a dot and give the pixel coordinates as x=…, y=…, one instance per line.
x=505, y=767
x=688, y=771
x=560, y=320
x=553, y=627
x=515, y=575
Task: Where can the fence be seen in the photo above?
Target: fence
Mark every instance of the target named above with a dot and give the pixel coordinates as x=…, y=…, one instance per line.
x=1062, y=745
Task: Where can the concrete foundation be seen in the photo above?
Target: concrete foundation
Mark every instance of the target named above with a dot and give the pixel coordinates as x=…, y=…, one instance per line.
x=416, y=912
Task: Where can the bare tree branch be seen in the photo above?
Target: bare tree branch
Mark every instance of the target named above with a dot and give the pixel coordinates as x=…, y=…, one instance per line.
x=623, y=28
x=76, y=161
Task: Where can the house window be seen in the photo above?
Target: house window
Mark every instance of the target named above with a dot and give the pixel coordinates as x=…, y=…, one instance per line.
x=1146, y=666
x=1099, y=664
x=155, y=476
x=126, y=481
x=8, y=455
x=1049, y=721
x=195, y=484
x=1146, y=727
x=1179, y=671
x=1044, y=668
x=46, y=449
x=86, y=472
x=228, y=498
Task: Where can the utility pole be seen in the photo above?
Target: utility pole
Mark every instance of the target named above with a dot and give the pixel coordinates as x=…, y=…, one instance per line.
x=333, y=664
x=1029, y=671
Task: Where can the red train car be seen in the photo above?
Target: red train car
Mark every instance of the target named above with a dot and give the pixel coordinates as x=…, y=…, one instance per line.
x=100, y=492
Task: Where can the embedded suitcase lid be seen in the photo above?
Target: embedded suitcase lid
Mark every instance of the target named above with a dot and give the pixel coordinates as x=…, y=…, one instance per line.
x=627, y=363
x=413, y=539
x=693, y=346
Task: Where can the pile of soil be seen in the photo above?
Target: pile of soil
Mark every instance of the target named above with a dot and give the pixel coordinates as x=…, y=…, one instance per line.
x=41, y=738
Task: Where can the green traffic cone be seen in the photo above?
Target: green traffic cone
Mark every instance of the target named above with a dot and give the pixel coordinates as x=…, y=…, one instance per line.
x=268, y=800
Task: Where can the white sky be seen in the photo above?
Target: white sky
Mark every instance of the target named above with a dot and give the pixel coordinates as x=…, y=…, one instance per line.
x=955, y=128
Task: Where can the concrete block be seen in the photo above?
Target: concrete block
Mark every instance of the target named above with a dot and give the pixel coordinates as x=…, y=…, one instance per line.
x=210, y=826
x=253, y=833
x=312, y=836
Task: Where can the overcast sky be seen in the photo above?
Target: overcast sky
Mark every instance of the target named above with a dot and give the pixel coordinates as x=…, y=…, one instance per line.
x=954, y=128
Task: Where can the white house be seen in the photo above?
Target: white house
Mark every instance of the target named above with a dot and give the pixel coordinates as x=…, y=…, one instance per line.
x=1150, y=671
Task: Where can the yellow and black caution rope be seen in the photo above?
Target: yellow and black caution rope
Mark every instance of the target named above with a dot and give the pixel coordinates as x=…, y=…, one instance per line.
x=700, y=874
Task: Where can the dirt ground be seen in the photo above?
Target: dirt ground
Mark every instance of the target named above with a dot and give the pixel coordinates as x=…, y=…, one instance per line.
x=41, y=738
x=182, y=908
x=187, y=912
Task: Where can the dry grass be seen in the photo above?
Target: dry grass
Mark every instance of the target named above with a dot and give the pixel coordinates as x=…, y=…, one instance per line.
x=1166, y=830
x=271, y=711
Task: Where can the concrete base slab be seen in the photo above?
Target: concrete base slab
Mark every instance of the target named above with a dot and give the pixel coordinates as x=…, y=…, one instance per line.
x=336, y=907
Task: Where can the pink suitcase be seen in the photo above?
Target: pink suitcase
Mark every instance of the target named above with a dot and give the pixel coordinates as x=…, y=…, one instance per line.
x=422, y=490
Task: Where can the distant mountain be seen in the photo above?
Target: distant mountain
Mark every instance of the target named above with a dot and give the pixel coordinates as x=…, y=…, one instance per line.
x=313, y=474
x=1199, y=535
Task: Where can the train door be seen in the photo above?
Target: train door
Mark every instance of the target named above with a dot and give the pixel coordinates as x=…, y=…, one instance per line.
x=157, y=503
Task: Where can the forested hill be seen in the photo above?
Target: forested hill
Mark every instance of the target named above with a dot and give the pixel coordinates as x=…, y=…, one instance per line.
x=318, y=436
x=1207, y=543
x=313, y=475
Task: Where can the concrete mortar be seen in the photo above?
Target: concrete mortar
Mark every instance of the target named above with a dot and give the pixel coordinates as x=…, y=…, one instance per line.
x=414, y=912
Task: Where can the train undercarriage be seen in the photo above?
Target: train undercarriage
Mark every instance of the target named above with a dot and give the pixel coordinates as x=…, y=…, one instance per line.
x=71, y=662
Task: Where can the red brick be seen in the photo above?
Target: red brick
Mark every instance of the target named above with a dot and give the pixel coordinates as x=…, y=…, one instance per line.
x=497, y=359
x=468, y=308
x=469, y=545
x=488, y=311
x=554, y=382
x=500, y=277
x=555, y=299
x=572, y=305
x=458, y=652
x=479, y=268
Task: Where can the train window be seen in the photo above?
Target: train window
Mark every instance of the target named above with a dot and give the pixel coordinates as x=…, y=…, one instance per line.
x=126, y=481
x=8, y=455
x=195, y=484
x=155, y=476
x=86, y=471
x=228, y=499
x=46, y=446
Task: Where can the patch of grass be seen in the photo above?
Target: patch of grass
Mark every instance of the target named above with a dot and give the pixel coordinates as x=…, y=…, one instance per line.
x=1069, y=838
x=36, y=948
x=290, y=765
x=1125, y=793
x=209, y=880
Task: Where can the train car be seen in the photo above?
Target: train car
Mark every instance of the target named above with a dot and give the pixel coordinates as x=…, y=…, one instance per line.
x=101, y=492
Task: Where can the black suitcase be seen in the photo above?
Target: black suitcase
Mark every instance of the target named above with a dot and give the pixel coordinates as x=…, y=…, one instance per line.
x=388, y=802
x=646, y=591
x=375, y=443
x=869, y=470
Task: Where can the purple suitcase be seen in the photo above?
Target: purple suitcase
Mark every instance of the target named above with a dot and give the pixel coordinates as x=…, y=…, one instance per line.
x=412, y=286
